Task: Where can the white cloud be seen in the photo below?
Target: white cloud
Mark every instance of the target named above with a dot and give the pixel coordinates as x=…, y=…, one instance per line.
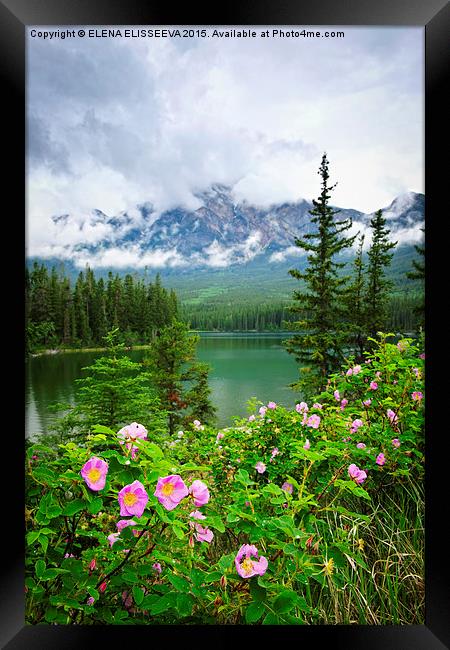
x=116, y=123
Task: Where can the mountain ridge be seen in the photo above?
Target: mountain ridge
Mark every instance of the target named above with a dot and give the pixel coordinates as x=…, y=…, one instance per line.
x=219, y=234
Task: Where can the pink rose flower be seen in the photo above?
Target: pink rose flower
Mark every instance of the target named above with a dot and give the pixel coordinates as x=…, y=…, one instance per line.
x=395, y=442
x=203, y=534
x=123, y=523
x=357, y=423
x=356, y=369
x=245, y=566
x=349, y=372
x=361, y=445
x=271, y=405
x=316, y=405
x=392, y=416
x=90, y=600
x=275, y=452
x=302, y=407
x=94, y=473
x=307, y=444
x=287, y=487
x=112, y=539
x=344, y=403
x=262, y=410
x=373, y=385
x=132, y=499
x=358, y=475
x=170, y=490
x=337, y=397
x=260, y=467
x=251, y=418
x=313, y=421
x=417, y=395
x=157, y=567
x=130, y=433
x=380, y=460
x=219, y=436
x=367, y=402
x=200, y=493
x=196, y=514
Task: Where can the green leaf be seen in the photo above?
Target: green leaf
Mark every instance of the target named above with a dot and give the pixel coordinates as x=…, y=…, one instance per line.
x=164, y=603
x=32, y=537
x=184, y=604
x=285, y=601
x=95, y=505
x=271, y=619
x=138, y=595
x=254, y=612
x=215, y=522
x=43, y=541
x=257, y=592
x=242, y=477
x=74, y=506
x=178, y=529
x=98, y=428
x=180, y=583
x=40, y=568
x=150, y=449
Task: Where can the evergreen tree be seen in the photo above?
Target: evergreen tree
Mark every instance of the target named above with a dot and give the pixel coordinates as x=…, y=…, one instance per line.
x=320, y=308
x=419, y=274
x=378, y=286
x=114, y=392
x=198, y=395
x=354, y=302
x=172, y=349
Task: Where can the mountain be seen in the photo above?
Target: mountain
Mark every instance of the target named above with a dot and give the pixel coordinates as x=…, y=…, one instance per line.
x=223, y=240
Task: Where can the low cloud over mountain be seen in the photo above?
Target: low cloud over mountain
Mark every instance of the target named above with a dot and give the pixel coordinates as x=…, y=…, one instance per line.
x=220, y=233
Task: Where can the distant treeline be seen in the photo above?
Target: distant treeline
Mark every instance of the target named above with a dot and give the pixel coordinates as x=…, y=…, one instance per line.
x=58, y=313
x=268, y=317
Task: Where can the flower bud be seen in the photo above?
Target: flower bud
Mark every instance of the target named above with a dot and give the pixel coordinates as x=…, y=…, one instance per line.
x=102, y=587
x=191, y=541
x=92, y=565
x=223, y=582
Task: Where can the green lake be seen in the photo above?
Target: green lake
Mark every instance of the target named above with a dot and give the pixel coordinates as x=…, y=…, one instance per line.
x=242, y=366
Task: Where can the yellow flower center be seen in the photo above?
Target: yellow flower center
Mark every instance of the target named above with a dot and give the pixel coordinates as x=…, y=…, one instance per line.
x=130, y=498
x=247, y=565
x=328, y=567
x=167, y=489
x=94, y=474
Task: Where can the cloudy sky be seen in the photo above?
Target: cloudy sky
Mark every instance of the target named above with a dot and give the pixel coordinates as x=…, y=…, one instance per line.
x=116, y=123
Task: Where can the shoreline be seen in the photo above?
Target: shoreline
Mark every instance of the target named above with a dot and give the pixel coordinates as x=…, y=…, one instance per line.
x=54, y=351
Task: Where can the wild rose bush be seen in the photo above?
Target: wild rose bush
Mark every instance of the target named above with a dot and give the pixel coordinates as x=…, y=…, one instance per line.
x=251, y=524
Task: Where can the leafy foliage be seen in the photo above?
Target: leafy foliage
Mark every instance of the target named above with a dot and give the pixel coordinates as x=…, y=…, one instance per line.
x=320, y=536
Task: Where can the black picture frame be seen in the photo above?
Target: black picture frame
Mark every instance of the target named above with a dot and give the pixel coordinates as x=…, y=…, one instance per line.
x=434, y=16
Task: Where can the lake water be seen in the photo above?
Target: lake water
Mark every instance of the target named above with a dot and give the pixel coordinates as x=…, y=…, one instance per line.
x=242, y=366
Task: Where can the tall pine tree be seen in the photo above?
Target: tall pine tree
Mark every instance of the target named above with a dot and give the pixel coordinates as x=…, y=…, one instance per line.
x=320, y=309
x=378, y=286
x=354, y=301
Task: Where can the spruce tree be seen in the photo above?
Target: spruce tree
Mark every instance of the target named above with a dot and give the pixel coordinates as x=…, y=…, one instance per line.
x=354, y=301
x=378, y=286
x=419, y=274
x=320, y=310
x=171, y=364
